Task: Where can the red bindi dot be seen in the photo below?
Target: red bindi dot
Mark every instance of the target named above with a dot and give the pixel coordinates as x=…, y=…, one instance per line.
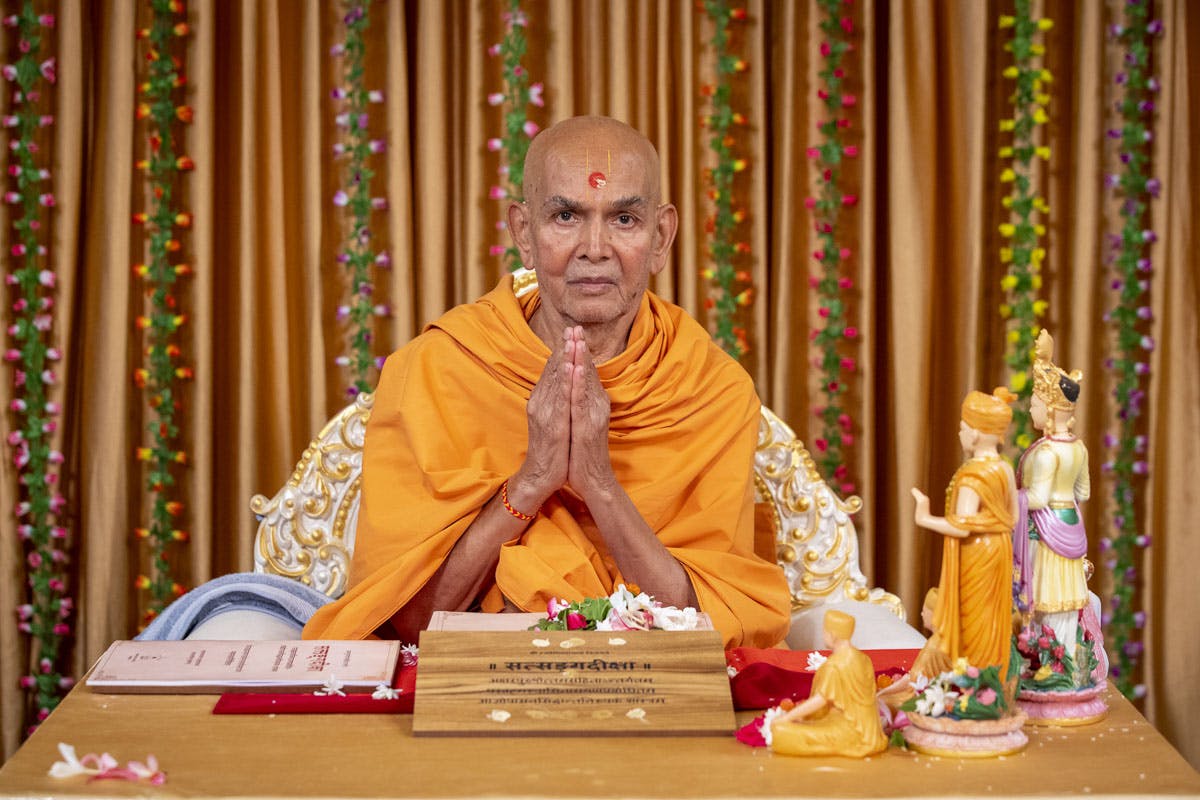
x=597, y=180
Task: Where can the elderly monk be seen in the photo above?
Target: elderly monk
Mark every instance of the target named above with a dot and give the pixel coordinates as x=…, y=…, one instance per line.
x=557, y=444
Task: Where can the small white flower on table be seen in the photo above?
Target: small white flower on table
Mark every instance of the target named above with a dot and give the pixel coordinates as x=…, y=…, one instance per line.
x=498, y=715
x=385, y=692
x=331, y=687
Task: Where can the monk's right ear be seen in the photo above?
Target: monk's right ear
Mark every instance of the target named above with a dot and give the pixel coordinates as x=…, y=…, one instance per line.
x=519, y=229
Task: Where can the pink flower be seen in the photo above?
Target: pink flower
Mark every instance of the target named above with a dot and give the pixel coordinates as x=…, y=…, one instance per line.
x=47, y=20
x=28, y=681
x=555, y=606
x=531, y=128
x=46, y=278
x=495, y=98
x=375, y=96
x=987, y=696
x=12, y=197
x=851, y=332
x=61, y=628
x=497, y=193
x=48, y=69
x=535, y=95
x=379, y=203
x=576, y=621
x=340, y=198
x=851, y=151
x=494, y=144
x=9, y=72
x=972, y=672
x=377, y=145
x=494, y=50
x=383, y=260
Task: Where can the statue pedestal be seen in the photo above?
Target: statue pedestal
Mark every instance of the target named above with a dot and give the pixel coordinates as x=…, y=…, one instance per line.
x=966, y=738
x=1064, y=709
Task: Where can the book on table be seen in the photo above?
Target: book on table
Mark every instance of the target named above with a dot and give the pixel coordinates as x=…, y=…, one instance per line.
x=215, y=667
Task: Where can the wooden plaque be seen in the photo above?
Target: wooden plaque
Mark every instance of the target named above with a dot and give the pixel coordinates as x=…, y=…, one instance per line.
x=572, y=682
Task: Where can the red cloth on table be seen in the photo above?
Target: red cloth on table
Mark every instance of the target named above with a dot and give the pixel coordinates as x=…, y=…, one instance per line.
x=765, y=677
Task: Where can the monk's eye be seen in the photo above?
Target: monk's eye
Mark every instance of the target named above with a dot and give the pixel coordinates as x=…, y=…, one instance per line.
x=564, y=216
x=625, y=220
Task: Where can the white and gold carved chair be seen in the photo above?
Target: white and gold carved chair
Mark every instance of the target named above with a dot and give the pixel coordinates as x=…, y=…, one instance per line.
x=306, y=531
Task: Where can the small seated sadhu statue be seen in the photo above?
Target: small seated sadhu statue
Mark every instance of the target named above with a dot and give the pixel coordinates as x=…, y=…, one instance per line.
x=839, y=717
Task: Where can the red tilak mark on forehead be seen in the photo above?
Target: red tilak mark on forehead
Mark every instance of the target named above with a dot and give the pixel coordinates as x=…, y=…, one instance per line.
x=597, y=180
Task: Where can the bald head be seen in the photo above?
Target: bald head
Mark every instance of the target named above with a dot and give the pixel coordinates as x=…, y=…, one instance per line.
x=587, y=145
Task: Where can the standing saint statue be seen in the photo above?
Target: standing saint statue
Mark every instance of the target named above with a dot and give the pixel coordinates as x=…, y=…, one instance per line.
x=1050, y=539
x=973, y=613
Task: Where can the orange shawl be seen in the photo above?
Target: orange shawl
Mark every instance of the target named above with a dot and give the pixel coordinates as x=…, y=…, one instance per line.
x=449, y=426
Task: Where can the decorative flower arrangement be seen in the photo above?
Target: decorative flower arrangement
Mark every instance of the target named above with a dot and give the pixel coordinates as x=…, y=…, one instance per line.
x=1130, y=318
x=516, y=97
x=964, y=693
x=163, y=372
x=1048, y=667
x=358, y=253
x=833, y=335
x=40, y=504
x=1023, y=254
x=626, y=609
x=105, y=767
x=726, y=294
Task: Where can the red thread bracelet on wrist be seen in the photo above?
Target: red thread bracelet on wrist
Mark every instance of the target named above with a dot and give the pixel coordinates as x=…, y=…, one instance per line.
x=519, y=515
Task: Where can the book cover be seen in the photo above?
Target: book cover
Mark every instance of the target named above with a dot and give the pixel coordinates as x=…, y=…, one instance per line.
x=203, y=667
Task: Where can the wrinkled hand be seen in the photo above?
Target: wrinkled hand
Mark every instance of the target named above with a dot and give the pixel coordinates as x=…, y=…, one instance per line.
x=548, y=414
x=589, y=469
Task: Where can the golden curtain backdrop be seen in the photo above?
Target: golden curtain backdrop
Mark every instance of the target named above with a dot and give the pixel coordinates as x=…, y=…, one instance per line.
x=262, y=303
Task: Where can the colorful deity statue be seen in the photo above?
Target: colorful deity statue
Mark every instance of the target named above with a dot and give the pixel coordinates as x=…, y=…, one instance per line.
x=1051, y=543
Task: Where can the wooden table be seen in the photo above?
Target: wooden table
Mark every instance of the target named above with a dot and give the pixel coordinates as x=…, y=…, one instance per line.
x=376, y=755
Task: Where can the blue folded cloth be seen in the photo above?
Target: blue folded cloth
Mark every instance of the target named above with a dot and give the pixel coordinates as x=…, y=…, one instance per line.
x=287, y=599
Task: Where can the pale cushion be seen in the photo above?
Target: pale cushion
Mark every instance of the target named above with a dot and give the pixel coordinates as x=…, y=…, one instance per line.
x=239, y=624
x=875, y=628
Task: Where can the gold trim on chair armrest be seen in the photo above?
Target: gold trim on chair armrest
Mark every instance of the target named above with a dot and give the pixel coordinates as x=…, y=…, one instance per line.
x=816, y=543
x=306, y=531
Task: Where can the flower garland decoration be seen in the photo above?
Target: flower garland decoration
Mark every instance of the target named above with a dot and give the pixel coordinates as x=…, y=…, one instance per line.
x=516, y=97
x=40, y=503
x=626, y=609
x=357, y=253
x=724, y=276
x=1129, y=318
x=1023, y=254
x=163, y=373
x=832, y=335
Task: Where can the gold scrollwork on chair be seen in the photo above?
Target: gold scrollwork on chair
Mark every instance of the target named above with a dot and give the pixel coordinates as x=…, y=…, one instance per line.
x=815, y=540
x=306, y=531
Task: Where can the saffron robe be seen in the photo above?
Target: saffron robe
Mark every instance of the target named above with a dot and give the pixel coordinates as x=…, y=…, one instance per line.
x=849, y=725
x=449, y=427
x=973, y=618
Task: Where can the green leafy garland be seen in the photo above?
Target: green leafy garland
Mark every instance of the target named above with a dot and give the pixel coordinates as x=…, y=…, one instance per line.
x=357, y=253
x=724, y=296
x=831, y=334
x=1023, y=255
x=40, y=504
x=163, y=373
x=1130, y=318
x=516, y=97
